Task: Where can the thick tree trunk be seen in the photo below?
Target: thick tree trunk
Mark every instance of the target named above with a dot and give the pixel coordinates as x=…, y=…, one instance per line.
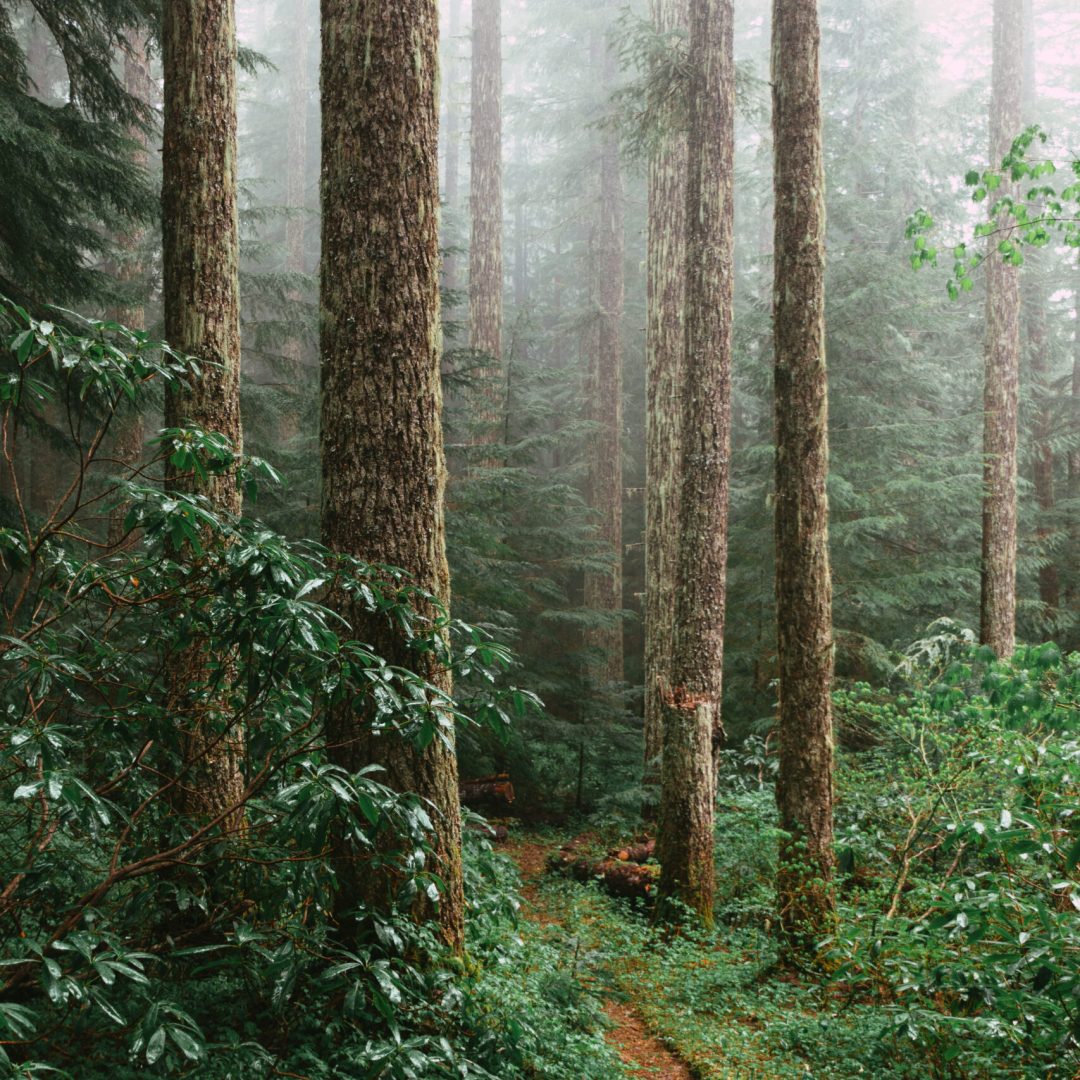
x=383, y=463
x=200, y=252
x=691, y=701
x=804, y=789
x=604, y=404
x=666, y=259
x=1002, y=356
x=486, y=209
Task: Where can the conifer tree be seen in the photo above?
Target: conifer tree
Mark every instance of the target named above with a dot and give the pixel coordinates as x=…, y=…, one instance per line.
x=383, y=464
x=201, y=292
x=804, y=788
x=666, y=269
x=452, y=137
x=1033, y=304
x=604, y=394
x=130, y=271
x=1072, y=596
x=70, y=187
x=296, y=193
x=486, y=207
x=691, y=701
x=1002, y=358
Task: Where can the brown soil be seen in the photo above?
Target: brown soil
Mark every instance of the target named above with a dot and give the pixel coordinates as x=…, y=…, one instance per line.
x=629, y=1035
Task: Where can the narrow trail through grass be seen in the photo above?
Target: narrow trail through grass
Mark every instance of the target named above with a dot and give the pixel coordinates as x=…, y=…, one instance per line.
x=644, y=1055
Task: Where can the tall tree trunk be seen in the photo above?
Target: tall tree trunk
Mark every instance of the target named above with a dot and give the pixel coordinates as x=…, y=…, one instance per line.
x=1072, y=595
x=604, y=484
x=296, y=188
x=519, y=354
x=666, y=262
x=1002, y=355
x=692, y=722
x=1034, y=307
x=200, y=245
x=804, y=790
x=383, y=464
x=452, y=139
x=37, y=462
x=486, y=209
x=1034, y=302
x=130, y=432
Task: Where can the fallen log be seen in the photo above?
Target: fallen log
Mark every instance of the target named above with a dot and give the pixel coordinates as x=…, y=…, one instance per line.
x=487, y=790
x=623, y=872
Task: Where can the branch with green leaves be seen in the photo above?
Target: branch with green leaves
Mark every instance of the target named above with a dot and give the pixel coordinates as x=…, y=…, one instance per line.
x=1015, y=218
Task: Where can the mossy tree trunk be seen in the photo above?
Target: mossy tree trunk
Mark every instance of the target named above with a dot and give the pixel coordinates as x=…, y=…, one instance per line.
x=666, y=269
x=383, y=462
x=486, y=211
x=604, y=397
x=692, y=728
x=200, y=253
x=1002, y=358
x=804, y=789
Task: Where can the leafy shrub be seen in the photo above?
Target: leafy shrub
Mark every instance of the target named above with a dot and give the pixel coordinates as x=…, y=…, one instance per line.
x=141, y=937
x=960, y=847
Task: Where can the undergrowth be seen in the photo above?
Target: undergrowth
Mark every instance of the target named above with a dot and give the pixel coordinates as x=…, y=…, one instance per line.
x=957, y=952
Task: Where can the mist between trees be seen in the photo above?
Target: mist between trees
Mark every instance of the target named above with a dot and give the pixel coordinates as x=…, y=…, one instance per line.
x=657, y=422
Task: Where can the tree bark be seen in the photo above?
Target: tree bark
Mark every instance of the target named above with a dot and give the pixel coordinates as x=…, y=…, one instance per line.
x=200, y=252
x=691, y=701
x=1002, y=358
x=804, y=789
x=666, y=285
x=604, y=404
x=486, y=209
x=383, y=465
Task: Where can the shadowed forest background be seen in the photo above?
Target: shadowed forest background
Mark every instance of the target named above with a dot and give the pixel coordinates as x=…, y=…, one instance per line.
x=414, y=411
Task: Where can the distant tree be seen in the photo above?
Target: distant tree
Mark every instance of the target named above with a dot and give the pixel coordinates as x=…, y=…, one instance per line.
x=70, y=187
x=692, y=727
x=666, y=270
x=1034, y=302
x=296, y=193
x=201, y=294
x=130, y=271
x=804, y=789
x=1073, y=591
x=604, y=393
x=1001, y=389
x=382, y=452
x=486, y=209
x=452, y=136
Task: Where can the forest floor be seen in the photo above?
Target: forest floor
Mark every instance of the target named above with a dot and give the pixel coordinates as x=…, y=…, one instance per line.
x=640, y=1050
